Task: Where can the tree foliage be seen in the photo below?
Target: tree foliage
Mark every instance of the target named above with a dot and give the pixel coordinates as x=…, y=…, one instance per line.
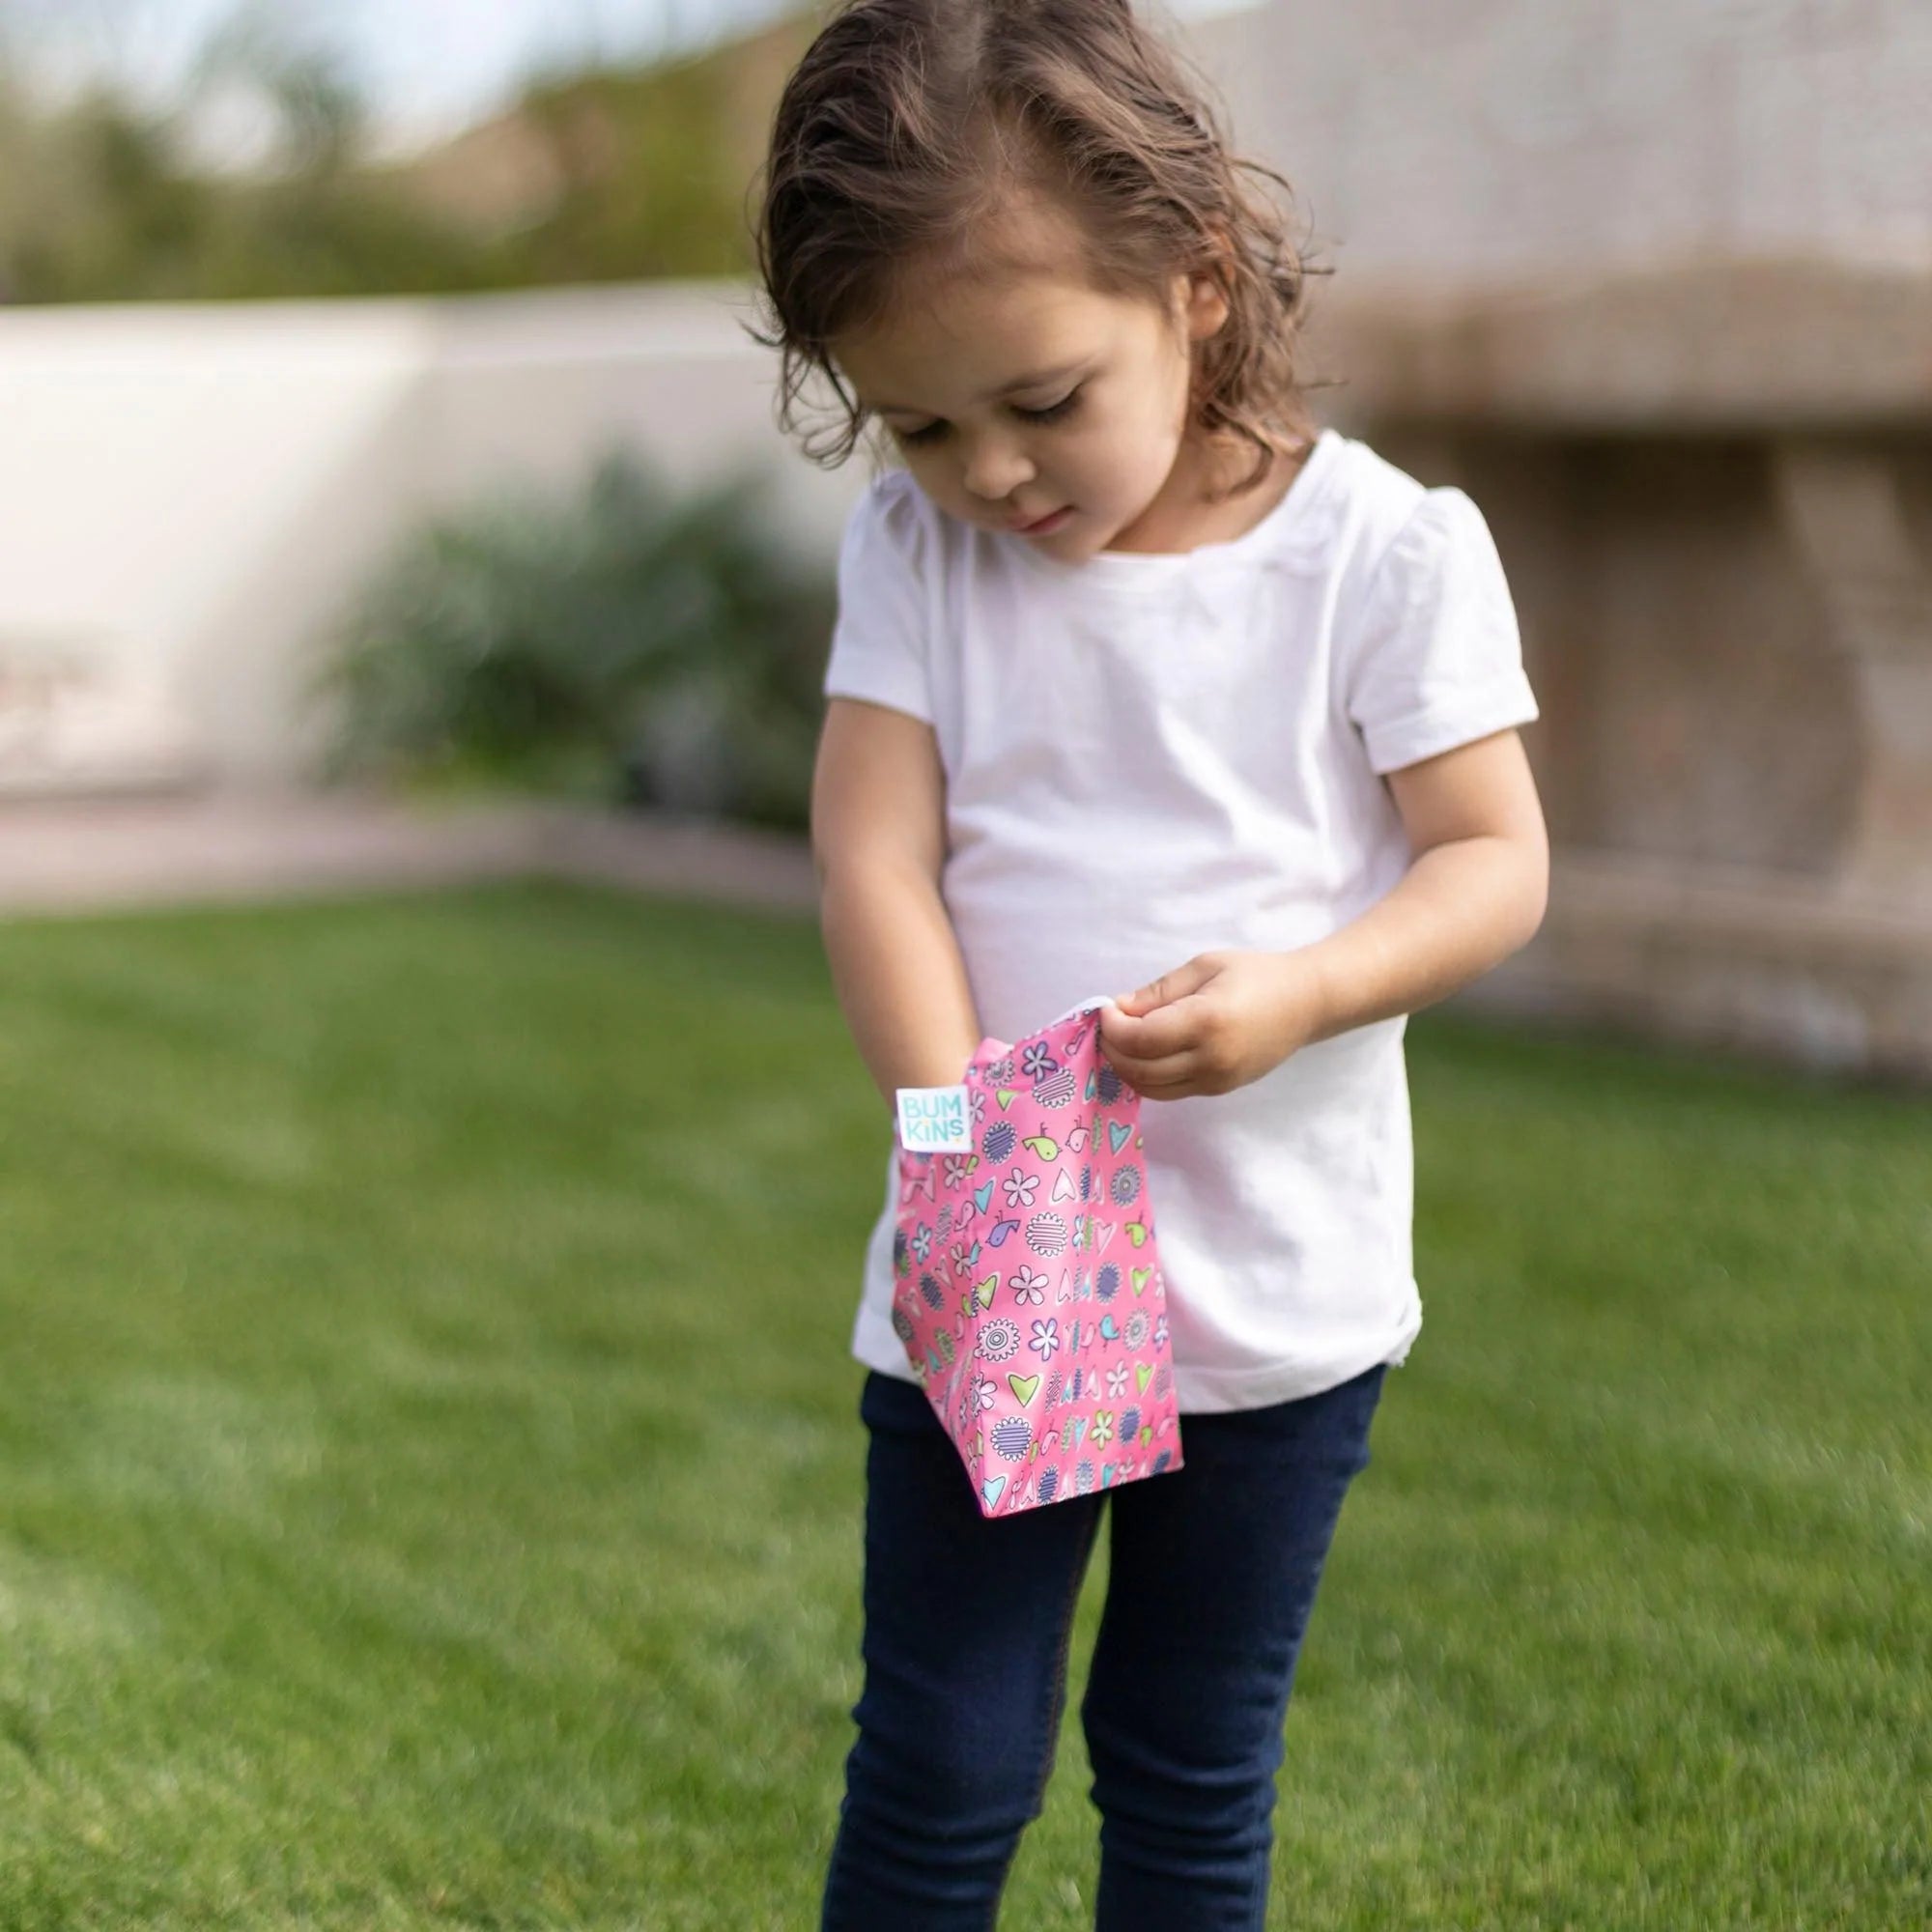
x=105, y=199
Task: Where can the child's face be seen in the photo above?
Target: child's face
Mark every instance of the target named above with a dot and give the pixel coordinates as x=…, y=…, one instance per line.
x=1034, y=395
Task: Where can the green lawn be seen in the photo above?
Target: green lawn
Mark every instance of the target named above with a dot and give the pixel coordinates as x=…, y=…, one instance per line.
x=429, y=1473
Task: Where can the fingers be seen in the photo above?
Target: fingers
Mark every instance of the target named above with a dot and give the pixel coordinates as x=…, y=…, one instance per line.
x=1157, y=1076
x=1172, y=985
x=1171, y=1054
x=1167, y=1030
x=1160, y=1052
x=1178, y=1090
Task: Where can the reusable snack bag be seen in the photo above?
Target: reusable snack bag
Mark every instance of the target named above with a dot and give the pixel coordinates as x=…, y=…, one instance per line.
x=1027, y=1283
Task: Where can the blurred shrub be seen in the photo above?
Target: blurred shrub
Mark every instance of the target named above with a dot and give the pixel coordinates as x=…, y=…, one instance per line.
x=620, y=644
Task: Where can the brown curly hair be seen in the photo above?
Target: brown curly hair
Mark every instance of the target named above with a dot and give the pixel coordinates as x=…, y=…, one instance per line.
x=907, y=122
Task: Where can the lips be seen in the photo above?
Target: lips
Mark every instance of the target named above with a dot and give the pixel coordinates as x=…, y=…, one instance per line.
x=1041, y=523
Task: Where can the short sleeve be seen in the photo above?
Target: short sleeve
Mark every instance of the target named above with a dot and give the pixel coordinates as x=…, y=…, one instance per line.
x=879, y=634
x=1436, y=661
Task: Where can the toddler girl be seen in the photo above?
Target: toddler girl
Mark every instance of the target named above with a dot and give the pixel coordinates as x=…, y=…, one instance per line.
x=1138, y=679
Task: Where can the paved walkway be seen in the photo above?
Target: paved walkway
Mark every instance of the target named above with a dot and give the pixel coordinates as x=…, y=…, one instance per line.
x=93, y=855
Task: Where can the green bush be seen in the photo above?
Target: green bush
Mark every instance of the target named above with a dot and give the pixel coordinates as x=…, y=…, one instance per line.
x=620, y=644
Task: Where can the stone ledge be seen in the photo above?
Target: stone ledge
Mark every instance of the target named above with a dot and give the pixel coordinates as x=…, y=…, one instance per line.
x=1759, y=346
x=1768, y=965
x=1785, y=915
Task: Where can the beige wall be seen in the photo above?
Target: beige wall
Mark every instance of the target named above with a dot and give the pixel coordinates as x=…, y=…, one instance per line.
x=187, y=492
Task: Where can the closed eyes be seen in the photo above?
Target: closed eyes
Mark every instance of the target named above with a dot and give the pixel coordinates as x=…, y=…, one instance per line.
x=1051, y=414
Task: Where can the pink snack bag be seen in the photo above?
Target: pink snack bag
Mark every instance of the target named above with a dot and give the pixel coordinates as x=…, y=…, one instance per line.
x=1027, y=1282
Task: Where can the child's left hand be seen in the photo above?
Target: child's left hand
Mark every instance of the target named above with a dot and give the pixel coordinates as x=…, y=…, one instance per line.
x=1213, y=1025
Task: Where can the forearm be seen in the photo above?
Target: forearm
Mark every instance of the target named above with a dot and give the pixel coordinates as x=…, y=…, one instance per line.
x=1462, y=907
x=900, y=978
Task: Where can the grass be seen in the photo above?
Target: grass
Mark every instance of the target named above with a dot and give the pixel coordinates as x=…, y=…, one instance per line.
x=429, y=1470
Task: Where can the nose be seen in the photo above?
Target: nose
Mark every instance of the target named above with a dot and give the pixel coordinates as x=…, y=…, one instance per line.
x=995, y=468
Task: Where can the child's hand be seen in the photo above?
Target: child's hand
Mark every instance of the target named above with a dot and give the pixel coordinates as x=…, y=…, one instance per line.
x=1214, y=1024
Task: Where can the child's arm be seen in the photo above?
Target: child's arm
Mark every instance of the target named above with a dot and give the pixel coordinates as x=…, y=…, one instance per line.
x=878, y=841
x=1474, y=893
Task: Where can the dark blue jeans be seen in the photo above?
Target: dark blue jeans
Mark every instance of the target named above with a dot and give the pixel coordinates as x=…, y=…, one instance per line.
x=1210, y=1580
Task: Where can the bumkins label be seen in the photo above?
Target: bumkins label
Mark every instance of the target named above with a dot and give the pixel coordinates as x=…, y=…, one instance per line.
x=933, y=1120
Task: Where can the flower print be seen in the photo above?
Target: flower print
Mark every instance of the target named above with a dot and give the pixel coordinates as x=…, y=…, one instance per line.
x=1116, y=1381
x=1045, y=1338
x=956, y=1168
x=978, y=1102
x=962, y=1257
x=1055, y=1089
x=1136, y=1332
x=998, y=1142
x=1036, y=1059
x=1001, y=1070
x=1160, y=1331
x=1102, y=1431
x=1020, y=1186
x=983, y=1392
x=922, y=1241
x=998, y=1339
x=1029, y=1285
x=1046, y=1234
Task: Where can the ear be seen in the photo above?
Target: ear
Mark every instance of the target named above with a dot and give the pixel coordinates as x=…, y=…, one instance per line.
x=1201, y=301
x=1206, y=308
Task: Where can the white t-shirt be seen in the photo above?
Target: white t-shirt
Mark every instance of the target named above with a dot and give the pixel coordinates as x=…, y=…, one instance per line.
x=1149, y=756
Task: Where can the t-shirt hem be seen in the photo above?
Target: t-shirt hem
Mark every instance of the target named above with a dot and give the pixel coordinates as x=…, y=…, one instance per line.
x=898, y=698
x=1222, y=1391
x=1507, y=704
